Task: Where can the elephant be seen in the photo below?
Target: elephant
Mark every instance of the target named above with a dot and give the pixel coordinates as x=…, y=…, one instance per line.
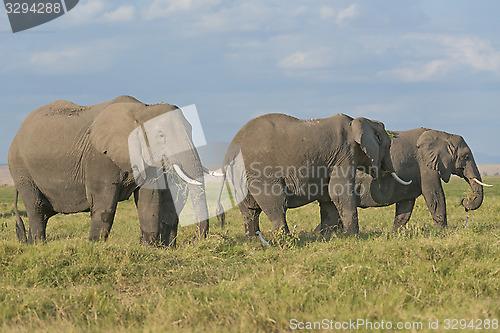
x=68, y=158
x=426, y=156
x=276, y=162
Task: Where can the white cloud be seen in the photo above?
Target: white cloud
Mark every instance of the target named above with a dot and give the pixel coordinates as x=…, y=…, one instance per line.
x=163, y=8
x=427, y=71
x=96, y=11
x=340, y=16
x=74, y=59
x=53, y=58
x=121, y=14
x=86, y=12
x=378, y=109
x=450, y=54
x=327, y=12
x=166, y=8
x=243, y=17
x=475, y=52
x=347, y=13
x=300, y=10
x=319, y=58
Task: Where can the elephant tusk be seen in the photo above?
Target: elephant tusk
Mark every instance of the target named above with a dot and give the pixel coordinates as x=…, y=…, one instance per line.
x=399, y=180
x=211, y=172
x=481, y=183
x=184, y=177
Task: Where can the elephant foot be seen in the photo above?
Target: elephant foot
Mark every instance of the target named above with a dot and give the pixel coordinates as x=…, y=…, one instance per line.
x=398, y=225
x=221, y=216
x=251, y=229
x=151, y=238
x=282, y=229
x=328, y=229
x=169, y=235
x=202, y=230
x=441, y=221
x=97, y=237
x=396, y=229
x=442, y=225
x=36, y=240
x=351, y=229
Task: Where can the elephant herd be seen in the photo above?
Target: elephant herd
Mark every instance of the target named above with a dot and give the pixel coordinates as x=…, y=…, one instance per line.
x=68, y=158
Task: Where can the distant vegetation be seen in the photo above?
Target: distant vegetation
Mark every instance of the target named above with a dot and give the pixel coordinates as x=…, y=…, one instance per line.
x=230, y=283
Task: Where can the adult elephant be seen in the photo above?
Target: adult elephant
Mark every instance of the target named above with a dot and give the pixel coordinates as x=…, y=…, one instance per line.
x=276, y=162
x=426, y=156
x=68, y=158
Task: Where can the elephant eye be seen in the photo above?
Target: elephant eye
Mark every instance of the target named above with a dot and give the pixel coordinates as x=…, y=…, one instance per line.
x=464, y=157
x=462, y=161
x=377, y=137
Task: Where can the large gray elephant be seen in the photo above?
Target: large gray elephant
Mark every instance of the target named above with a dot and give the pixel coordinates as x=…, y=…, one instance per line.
x=426, y=156
x=68, y=158
x=276, y=162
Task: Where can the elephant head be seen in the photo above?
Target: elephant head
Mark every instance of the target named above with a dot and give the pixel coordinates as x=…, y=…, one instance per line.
x=375, y=144
x=148, y=141
x=449, y=154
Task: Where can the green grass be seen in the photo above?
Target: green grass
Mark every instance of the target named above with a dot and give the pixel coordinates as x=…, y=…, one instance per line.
x=230, y=283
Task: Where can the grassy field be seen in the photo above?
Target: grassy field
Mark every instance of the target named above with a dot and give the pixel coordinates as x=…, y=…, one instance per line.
x=230, y=283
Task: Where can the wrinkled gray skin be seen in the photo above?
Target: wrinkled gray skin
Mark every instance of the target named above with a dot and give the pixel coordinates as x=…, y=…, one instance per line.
x=426, y=156
x=67, y=158
x=338, y=144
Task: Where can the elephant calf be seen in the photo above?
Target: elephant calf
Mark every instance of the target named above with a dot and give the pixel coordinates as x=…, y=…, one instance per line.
x=68, y=158
x=276, y=162
x=426, y=156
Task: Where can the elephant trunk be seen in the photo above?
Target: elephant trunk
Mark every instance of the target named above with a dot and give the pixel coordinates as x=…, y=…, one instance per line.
x=472, y=176
x=388, y=166
x=189, y=168
x=199, y=201
x=381, y=189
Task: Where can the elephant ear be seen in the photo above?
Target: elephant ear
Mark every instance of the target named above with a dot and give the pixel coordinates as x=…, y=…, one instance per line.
x=365, y=137
x=110, y=131
x=437, y=152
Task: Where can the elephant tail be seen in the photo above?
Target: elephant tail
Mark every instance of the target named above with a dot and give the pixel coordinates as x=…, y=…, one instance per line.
x=221, y=216
x=20, y=229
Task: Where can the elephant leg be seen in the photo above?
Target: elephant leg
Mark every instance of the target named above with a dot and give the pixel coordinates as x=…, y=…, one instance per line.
x=404, y=209
x=278, y=220
x=148, y=203
x=341, y=192
x=250, y=212
x=169, y=220
x=202, y=229
x=433, y=193
x=102, y=212
x=172, y=240
x=330, y=218
x=168, y=234
x=39, y=211
x=273, y=204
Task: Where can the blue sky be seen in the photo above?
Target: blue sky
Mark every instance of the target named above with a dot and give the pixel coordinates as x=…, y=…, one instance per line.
x=406, y=63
